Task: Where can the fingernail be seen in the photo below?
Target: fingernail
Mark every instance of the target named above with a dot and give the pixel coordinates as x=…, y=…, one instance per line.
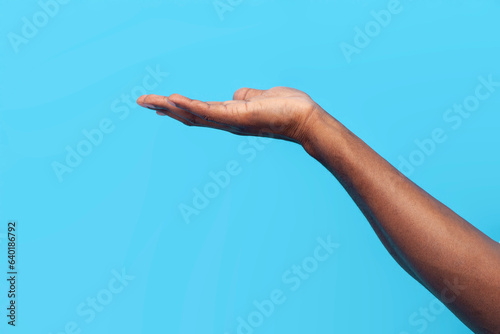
x=150, y=106
x=160, y=113
x=171, y=103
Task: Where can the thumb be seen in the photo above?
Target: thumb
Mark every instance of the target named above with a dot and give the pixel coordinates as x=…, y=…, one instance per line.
x=247, y=93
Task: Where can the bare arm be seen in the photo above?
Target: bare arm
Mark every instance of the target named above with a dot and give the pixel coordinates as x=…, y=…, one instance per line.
x=456, y=262
x=450, y=257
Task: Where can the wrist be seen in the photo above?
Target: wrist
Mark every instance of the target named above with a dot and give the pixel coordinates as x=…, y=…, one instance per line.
x=322, y=129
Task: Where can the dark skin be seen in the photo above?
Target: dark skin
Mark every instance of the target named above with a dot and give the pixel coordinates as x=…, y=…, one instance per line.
x=456, y=262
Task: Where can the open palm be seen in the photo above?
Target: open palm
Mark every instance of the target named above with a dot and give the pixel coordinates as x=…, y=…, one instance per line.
x=279, y=112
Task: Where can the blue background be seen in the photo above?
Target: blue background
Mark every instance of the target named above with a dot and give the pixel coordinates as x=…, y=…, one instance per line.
x=119, y=208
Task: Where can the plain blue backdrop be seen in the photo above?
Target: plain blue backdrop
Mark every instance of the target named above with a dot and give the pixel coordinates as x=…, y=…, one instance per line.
x=71, y=68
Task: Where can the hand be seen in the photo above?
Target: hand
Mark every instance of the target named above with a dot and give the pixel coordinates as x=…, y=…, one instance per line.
x=279, y=112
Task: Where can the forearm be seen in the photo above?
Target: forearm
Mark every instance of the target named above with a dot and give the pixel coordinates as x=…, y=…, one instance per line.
x=430, y=241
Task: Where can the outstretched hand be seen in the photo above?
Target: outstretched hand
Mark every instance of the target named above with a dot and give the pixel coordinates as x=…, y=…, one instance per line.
x=279, y=112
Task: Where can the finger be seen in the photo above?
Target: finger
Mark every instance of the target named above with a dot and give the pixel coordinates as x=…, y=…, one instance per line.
x=162, y=104
x=229, y=114
x=174, y=116
x=143, y=101
x=140, y=100
x=163, y=107
x=247, y=93
x=201, y=123
x=223, y=103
